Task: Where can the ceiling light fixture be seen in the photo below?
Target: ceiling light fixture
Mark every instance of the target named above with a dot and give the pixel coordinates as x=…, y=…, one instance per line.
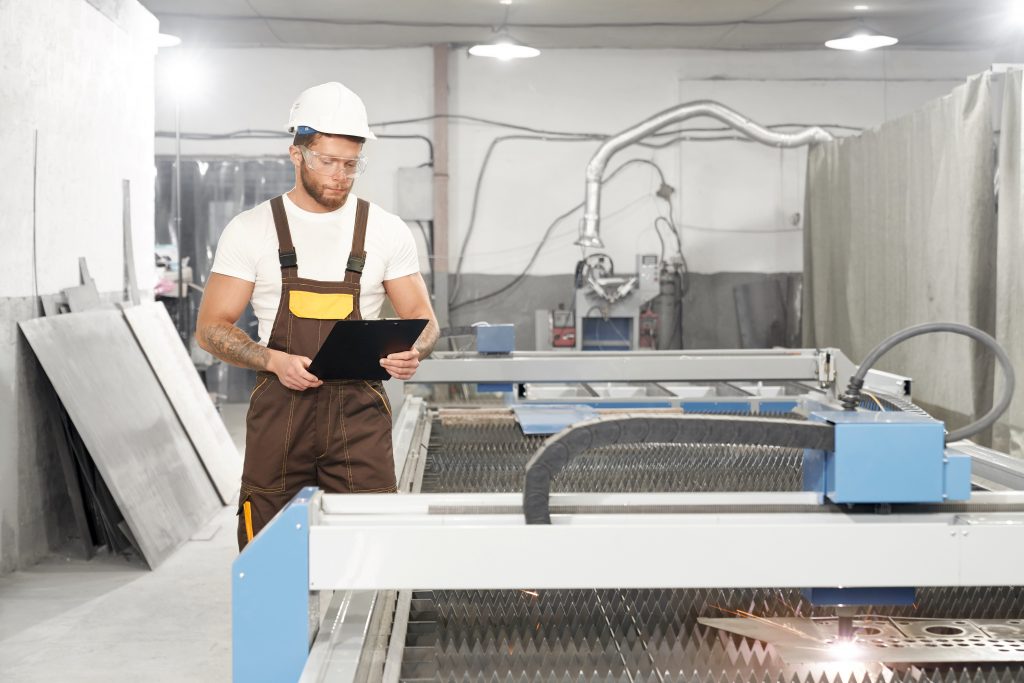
x=861, y=8
x=503, y=46
x=860, y=42
x=167, y=40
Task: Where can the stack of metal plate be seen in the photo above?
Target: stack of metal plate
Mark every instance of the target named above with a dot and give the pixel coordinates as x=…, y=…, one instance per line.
x=144, y=419
x=529, y=635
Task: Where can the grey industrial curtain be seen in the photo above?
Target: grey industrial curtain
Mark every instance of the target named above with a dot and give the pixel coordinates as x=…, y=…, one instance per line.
x=901, y=229
x=1008, y=434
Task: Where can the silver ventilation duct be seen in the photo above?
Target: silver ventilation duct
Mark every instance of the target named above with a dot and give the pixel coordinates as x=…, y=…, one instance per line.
x=590, y=235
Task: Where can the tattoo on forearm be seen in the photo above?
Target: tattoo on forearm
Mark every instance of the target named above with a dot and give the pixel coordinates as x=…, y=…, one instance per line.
x=232, y=345
x=428, y=337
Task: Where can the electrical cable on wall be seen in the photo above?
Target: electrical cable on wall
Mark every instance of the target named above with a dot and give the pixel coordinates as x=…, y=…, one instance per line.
x=679, y=136
x=541, y=131
x=675, y=136
x=250, y=134
x=453, y=295
x=547, y=234
x=272, y=134
x=452, y=304
x=661, y=241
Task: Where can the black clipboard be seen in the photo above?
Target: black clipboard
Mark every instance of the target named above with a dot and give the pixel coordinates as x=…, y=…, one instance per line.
x=354, y=348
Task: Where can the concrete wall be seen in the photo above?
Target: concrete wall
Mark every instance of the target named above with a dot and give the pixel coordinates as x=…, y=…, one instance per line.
x=740, y=205
x=80, y=76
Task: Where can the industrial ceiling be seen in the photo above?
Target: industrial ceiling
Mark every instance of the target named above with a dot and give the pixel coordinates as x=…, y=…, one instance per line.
x=707, y=24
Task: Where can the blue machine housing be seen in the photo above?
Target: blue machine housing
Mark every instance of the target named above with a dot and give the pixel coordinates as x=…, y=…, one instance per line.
x=841, y=597
x=886, y=457
x=883, y=457
x=495, y=338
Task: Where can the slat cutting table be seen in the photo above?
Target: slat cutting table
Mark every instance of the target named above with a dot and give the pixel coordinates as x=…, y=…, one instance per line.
x=662, y=561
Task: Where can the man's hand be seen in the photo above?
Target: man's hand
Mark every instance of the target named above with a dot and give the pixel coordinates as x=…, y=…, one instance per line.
x=402, y=365
x=291, y=371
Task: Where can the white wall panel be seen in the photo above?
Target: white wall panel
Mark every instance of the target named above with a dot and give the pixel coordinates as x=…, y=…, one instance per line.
x=528, y=183
x=85, y=83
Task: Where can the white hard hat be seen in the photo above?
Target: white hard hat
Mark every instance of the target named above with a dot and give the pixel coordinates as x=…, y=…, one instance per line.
x=330, y=108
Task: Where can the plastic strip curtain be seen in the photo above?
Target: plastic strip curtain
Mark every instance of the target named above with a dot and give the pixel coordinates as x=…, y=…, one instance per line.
x=215, y=189
x=901, y=229
x=1008, y=434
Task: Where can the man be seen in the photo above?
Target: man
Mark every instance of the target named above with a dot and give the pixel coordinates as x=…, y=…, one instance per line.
x=313, y=256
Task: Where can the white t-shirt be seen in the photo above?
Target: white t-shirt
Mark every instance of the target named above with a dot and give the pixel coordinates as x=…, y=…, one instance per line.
x=248, y=250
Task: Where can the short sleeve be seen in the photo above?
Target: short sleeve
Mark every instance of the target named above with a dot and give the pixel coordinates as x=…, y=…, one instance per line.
x=404, y=260
x=236, y=254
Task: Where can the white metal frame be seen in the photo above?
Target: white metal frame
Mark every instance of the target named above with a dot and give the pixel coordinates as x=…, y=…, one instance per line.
x=365, y=548
x=631, y=366
x=828, y=368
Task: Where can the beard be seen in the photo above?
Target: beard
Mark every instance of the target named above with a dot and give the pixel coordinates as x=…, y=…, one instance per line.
x=315, y=188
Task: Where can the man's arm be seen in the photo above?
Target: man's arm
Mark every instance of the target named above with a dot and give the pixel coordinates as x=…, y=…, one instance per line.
x=224, y=300
x=410, y=299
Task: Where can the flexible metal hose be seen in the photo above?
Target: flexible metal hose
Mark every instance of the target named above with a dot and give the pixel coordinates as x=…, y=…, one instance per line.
x=590, y=235
x=852, y=396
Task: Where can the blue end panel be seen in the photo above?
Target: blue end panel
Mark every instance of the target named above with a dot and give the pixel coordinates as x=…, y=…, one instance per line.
x=494, y=388
x=495, y=338
x=884, y=457
x=814, y=472
x=958, y=476
x=270, y=614
x=859, y=596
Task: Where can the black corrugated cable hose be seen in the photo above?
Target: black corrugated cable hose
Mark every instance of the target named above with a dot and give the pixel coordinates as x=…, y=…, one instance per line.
x=560, y=449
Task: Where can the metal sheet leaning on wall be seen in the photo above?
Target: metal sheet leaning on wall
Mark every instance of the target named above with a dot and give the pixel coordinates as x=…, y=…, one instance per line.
x=128, y=425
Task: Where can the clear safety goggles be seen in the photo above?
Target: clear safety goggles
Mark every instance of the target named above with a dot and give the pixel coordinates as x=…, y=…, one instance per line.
x=333, y=166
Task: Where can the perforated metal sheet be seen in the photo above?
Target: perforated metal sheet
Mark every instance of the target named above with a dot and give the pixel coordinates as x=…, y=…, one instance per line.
x=891, y=640
x=128, y=425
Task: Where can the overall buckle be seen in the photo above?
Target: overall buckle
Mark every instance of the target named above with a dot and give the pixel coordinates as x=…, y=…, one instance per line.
x=356, y=263
x=288, y=259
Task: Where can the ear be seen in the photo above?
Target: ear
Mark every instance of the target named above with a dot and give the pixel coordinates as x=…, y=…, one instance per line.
x=295, y=154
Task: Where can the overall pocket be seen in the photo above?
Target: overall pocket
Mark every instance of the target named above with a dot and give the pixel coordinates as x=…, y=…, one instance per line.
x=320, y=306
x=268, y=426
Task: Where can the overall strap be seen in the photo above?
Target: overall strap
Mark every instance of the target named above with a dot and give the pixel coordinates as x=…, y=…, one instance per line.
x=357, y=257
x=285, y=248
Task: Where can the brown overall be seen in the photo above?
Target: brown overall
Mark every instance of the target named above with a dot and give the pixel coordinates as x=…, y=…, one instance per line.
x=336, y=436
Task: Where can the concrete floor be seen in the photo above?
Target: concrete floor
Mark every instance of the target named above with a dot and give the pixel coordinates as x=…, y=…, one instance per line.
x=112, y=619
